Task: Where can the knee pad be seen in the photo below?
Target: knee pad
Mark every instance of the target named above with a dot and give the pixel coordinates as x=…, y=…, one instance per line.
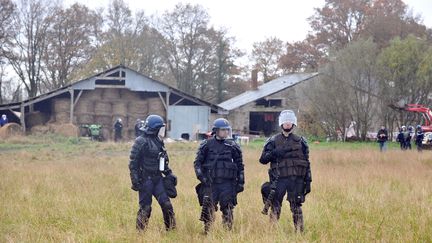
x=145, y=211
x=167, y=206
x=296, y=209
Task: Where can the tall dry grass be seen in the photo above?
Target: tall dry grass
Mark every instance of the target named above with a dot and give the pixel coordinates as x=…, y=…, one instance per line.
x=74, y=191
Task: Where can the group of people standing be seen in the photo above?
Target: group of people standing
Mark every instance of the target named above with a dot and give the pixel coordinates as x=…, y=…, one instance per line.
x=404, y=137
x=219, y=168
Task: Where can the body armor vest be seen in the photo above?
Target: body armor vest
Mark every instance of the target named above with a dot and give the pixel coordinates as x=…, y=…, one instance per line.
x=150, y=155
x=219, y=161
x=294, y=162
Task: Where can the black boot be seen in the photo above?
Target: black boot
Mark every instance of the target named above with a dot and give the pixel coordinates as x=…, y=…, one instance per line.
x=168, y=216
x=228, y=218
x=143, y=217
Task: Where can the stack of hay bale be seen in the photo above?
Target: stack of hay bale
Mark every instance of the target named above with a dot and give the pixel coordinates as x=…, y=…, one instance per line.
x=61, y=108
x=104, y=107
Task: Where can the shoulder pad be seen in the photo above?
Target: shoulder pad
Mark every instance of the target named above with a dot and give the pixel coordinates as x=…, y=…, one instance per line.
x=304, y=141
x=140, y=140
x=203, y=144
x=270, y=140
x=296, y=137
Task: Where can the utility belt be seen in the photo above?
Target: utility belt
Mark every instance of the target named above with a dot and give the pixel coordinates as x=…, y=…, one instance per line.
x=151, y=174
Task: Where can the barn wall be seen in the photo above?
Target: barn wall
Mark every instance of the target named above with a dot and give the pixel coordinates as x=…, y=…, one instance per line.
x=292, y=98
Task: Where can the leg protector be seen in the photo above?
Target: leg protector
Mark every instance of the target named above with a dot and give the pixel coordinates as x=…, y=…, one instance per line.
x=143, y=217
x=207, y=216
x=228, y=216
x=298, y=218
x=168, y=215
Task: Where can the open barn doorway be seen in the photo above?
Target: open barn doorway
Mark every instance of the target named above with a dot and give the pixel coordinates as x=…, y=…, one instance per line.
x=263, y=123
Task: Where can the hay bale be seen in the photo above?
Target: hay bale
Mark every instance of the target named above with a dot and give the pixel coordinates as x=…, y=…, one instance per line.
x=93, y=95
x=105, y=120
x=138, y=107
x=65, y=129
x=111, y=94
x=39, y=129
x=103, y=108
x=85, y=118
x=106, y=133
x=156, y=107
x=131, y=134
x=126, y=94
x=62, y=117
x=132, y=120
x=85, y=106
x=36, y=118
x=120, y=108
x=10, y=130
x=61, y=105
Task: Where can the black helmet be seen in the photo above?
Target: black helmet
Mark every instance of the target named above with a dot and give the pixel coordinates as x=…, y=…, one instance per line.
x=153, y=123
x=220, y=123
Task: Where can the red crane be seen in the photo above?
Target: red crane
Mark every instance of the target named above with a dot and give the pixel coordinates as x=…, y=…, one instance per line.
x=425, y=111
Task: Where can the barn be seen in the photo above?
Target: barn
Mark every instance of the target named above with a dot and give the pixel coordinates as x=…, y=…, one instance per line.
x=256, y=111
x=119, y=92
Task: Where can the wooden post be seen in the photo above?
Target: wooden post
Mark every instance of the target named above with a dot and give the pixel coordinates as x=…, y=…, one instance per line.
x=168, y=128
x=71, y=91
x=22, y=118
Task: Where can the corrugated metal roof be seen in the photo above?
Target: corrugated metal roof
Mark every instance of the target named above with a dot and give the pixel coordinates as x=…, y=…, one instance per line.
x=266, y=89
x=159, y=86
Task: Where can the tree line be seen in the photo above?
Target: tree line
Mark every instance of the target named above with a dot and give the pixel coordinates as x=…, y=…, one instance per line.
x=370, y=53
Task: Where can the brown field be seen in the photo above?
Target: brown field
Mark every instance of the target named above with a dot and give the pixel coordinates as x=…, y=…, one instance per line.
x=69, y=190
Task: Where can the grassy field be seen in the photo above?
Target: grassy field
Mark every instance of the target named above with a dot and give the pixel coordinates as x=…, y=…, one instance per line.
x=54, y=189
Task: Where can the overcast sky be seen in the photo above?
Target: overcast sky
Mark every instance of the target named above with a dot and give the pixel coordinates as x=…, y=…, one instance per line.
x=252, y=21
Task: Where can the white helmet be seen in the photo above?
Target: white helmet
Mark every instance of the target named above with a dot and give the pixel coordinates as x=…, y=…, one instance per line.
x=287, y=116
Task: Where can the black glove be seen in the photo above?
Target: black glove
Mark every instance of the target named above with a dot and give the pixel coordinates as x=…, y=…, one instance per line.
x=203, y=180
x=136, y=186
x=307, y=188
x=174, y=178
x=240, y=188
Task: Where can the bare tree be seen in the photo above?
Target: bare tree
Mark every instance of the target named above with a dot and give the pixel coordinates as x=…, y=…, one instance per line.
x=7, y=10
x=186, y=48
x=266, y=56
x=70, y=44
x=29, y=43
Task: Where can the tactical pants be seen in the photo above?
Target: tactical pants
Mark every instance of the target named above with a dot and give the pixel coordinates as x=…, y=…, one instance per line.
x=117, y=135
x=153, y=186
x=224, y=194
x=293, y=186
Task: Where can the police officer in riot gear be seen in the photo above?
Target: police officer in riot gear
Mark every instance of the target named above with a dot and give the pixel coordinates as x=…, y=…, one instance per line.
x=148, y=162
x=288, y=155
x=419, y=138
x=219, y=167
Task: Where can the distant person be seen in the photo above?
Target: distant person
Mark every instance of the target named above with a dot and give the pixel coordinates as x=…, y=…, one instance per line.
x=138, y=125
x=382, y=138
x=400, y=138
x=408, y=137
x=419, y=138
x=3, y=120
x=118, y=128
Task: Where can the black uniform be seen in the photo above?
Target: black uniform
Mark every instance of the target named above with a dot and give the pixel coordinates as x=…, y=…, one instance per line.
x=419, y=139
x=219, y=167
x=118, y=127
x=147, y=179
x=289, y=165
